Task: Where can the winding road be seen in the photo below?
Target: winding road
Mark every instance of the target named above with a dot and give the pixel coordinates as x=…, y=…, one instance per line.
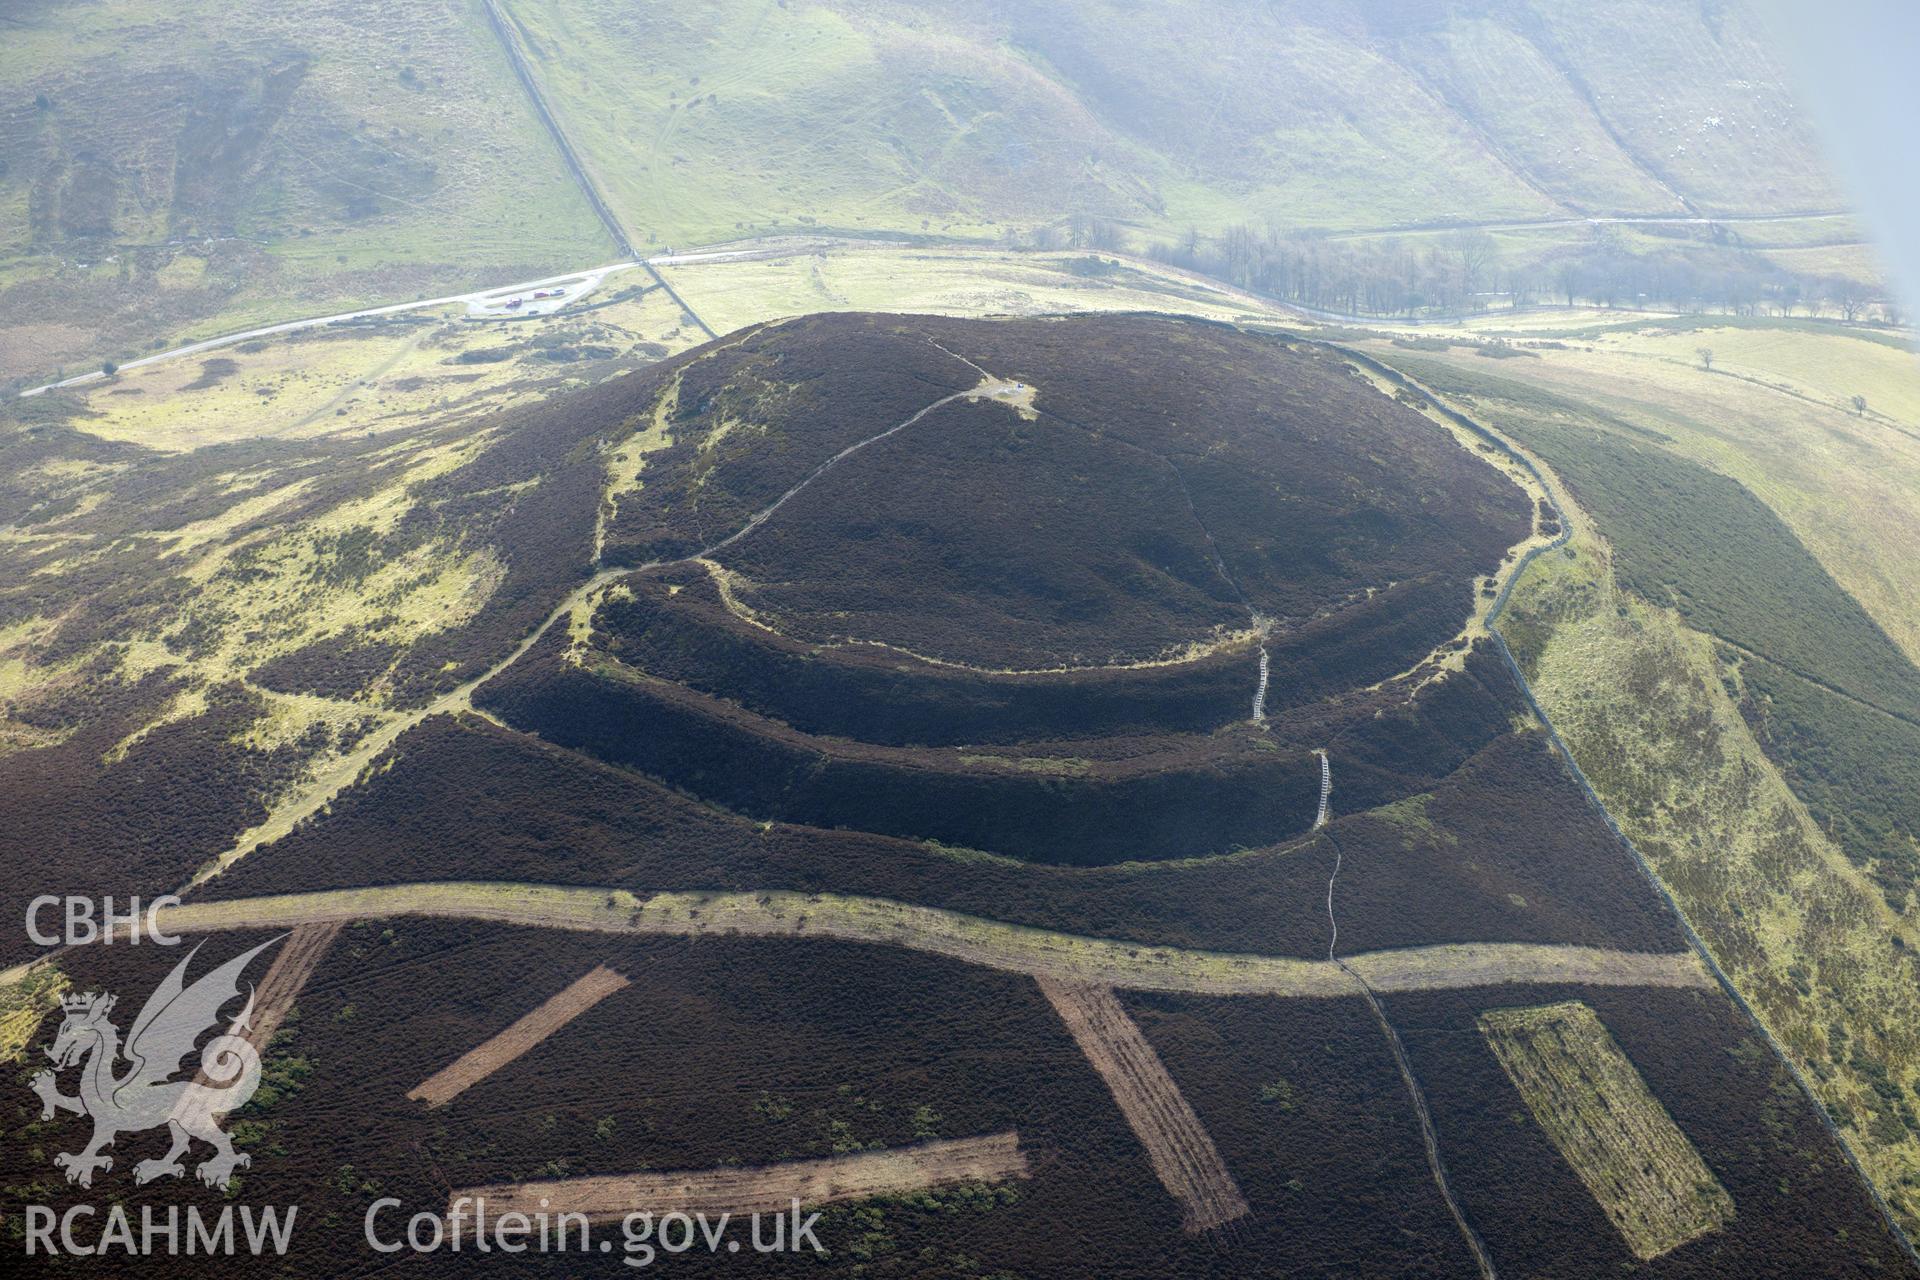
x=480, y=303
x=478, y=298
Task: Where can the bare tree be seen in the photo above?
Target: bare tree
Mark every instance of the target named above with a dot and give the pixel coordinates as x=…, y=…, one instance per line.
x=1860, y=405
x=1568, y=279
x=1240, y=249
x=1706, y=357
x=1473, y=252
x=1091, y=231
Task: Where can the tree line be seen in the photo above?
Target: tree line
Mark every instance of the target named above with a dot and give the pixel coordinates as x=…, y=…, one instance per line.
x=1466, y=271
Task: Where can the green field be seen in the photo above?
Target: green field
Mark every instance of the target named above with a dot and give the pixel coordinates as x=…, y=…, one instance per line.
x=945, y=281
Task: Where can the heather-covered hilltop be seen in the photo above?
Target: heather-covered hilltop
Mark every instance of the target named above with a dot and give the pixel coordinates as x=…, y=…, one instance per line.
x=1076, y=753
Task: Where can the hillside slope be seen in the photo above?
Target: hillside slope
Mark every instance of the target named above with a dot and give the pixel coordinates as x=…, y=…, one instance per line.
x=1750, y=725
x=162, y=174
x=964, y=118
x=158, y=166
x=1039, y=842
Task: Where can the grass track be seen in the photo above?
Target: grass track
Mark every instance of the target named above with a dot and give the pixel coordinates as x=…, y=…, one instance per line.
x=497, y=1051
x=765, y=1188
x=1179, y=1148
x=970, y=939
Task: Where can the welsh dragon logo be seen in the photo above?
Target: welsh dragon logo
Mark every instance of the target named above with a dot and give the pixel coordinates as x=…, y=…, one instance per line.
x=145, y=1095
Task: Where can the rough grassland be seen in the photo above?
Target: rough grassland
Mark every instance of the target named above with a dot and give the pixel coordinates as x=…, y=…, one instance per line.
x=1497, y=75
x=229, y=165
x=767, y=1188
x=1832, y=699
x=405, y=371
x=1809, y=909
x=953, y=120
x=1810, y=941
x=870, y=117
x=1609, y=1126
x=1824, y=363
x=1775, y=416
x=24, y=1003
x=945, y=281
x=402, y=373
x=192, y=635
x=1857, y=262
x=1724, y=129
